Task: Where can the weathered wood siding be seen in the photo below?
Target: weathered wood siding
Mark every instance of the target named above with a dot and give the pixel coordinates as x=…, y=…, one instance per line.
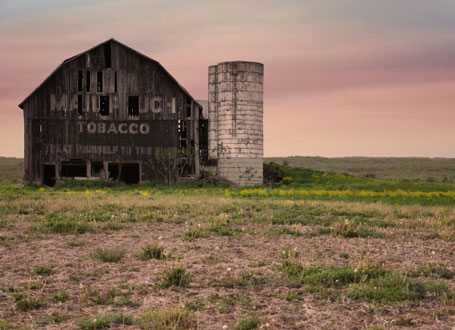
x=63, y=122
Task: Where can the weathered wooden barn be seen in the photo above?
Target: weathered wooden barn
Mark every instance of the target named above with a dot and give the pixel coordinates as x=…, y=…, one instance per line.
x=104, y=114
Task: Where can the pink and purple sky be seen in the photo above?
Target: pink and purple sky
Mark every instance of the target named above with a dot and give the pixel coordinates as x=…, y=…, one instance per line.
x=342, y=77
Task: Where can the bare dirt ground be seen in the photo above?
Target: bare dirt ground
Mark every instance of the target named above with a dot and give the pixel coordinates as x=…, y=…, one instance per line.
x=235, y=275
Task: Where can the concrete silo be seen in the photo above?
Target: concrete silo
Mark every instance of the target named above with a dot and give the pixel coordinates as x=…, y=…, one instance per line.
x=236, y=120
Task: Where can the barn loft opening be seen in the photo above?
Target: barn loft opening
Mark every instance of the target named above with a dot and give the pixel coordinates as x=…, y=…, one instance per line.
x=79, y=80
x=107, y=54
x=80, y=110
x=133, y=106
x=115, y=83
x=97, y=169
x=49, y=175
x=87, y=81
x=99, y=81
x=130, y=173
x=73, y=168
x=104, y=105
x=113, y=171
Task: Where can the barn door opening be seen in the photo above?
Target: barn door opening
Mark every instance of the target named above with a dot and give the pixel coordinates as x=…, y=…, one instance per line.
x=130, y=173
x=113, y=170
x=49, y=175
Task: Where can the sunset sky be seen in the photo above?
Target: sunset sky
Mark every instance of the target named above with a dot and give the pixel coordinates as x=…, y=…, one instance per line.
x=342, y=77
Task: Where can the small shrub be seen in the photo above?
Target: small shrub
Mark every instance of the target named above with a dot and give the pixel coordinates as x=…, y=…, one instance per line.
x=221, y=229
x=26, y=303
x=96, y=322
x=284, y=230
x=273, y=173
x=112, y=226
x=176, y=277
x=194, y=306
x=351, y=229
x=109, y=254
x=76, y=243
x=58, y=318
x=152, y=251
x=258, y=263
x=61, y=297
x=249, y=323
x=42, y=270
x=290, y=253
x=194, y=233
x=226, y=305
x=174, y=319
x=287, y=180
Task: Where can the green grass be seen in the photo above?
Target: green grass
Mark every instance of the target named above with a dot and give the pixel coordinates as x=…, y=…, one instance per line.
x=56, y=224
x=114, y=254
x=24, y=302
x=390, y=288
x=167, y=319
x=435, y=270
x=367, y=283
x=11, y=170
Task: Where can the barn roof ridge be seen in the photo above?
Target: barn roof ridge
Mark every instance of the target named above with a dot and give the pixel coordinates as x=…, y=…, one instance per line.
x=98, y=45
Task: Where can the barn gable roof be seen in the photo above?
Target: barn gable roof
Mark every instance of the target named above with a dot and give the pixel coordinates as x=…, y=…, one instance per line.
x=109, y=40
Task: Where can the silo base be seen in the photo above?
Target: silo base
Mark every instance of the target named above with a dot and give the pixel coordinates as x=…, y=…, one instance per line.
x=241, y=171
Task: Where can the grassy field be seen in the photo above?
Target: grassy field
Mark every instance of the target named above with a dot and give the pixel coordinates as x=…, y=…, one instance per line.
x=11, y=170
x=317, y=251
x=398, y=169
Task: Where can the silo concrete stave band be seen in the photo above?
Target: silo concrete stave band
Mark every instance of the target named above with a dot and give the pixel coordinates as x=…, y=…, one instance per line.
x=236, y=120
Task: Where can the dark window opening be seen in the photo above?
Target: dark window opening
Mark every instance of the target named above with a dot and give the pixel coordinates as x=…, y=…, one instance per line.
x=79, y=81
x=115, y=83
x=99, y=81
x=133, y=105
x=203, y=140
x=104, y=105
x=107, y=54
x=49, y=175
x=87, y=81
x=97, y=169
x=80, y=110
x=130, y=173
x=181, y=128
x=73, y=168
x=113, y=170
x=188, y=108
